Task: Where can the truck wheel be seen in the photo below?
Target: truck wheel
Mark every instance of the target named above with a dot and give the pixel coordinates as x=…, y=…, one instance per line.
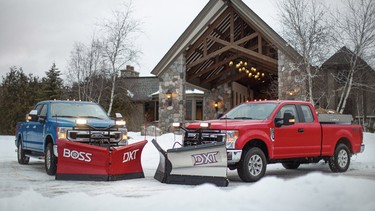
x=21, y=157
x=291, y=165
x=340, y=161
x=50, y=161
x=252, y=166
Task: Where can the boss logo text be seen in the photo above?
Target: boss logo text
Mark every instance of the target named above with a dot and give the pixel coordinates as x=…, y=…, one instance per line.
x=83, y=156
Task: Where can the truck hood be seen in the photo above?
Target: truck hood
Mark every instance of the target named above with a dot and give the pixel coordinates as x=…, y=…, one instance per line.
x=229, y=124
x=97, y=123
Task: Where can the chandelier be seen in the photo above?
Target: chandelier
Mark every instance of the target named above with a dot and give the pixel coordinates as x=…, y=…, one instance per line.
x=250, y=70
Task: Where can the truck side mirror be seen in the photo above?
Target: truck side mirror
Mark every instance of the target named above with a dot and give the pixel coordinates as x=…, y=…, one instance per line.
x=32, y=116
x=118, y=116
x=278, y=122
x=288, y=119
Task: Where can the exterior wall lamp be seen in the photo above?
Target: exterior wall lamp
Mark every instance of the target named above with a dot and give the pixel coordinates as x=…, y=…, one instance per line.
x=168, y=95
x=216, y=105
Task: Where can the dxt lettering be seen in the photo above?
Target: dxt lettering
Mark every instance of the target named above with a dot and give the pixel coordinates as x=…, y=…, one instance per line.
x=205, y=158
x=128, y=156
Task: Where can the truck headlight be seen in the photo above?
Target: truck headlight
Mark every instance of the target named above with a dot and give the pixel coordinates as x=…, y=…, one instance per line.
x=120, y=123
x=231, y=137
x=81, y=121
x=62, y=132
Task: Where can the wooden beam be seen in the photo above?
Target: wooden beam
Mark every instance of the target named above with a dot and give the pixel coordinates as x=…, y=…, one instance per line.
x=225, y=61
x=247, y=38
x=257, y=55
x=260, y=47
x=209, y=56
x=208, y=31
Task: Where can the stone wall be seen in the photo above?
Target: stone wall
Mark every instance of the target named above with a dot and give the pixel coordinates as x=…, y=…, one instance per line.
x=292, y=85
x=223, y=95
x=173, y=80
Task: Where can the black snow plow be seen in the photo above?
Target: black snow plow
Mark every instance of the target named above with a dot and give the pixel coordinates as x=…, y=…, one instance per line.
x=193, y=165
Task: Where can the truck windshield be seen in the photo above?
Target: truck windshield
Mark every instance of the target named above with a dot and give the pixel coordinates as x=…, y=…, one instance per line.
x=77, y=110
x=258, y=111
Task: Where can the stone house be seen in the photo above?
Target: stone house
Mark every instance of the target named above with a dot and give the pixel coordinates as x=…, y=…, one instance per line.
x=330, y=82
x=230, y=54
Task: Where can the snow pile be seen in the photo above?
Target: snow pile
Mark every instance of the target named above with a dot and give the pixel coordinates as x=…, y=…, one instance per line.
x=311, y=187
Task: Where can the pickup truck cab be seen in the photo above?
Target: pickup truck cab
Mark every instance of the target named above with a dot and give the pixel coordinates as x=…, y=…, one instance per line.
x=287, y=132
x=83, y=122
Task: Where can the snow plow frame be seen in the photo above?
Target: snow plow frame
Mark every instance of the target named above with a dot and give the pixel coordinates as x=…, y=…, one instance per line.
x=193, y=165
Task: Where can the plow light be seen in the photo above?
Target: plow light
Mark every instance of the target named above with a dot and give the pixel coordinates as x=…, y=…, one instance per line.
x=176, y=124
x=120, y=123
x=81, y=121
x=204, y=125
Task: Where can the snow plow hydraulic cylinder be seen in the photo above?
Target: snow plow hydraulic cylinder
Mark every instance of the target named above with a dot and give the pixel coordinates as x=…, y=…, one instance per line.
x=193, y=165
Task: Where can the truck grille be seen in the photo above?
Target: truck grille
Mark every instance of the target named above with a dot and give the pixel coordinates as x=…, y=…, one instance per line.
x=94, y=136
x=203, y=137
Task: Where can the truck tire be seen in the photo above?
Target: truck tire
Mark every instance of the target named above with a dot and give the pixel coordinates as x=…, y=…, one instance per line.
x=21, y=157
x=340, y=160
x=50, y=161
x=252, y=165
x=291, y=165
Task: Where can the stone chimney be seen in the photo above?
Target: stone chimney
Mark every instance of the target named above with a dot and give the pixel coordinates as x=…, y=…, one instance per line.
x=129, y=72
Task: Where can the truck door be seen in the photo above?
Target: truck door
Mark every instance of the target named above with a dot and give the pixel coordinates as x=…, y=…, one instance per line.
x=288, y=140
x=311, y=131
x=35, y=134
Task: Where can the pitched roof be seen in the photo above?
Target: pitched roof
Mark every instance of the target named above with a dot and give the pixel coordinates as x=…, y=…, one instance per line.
x=343, y=57
x=209, y=13
x=141, y=88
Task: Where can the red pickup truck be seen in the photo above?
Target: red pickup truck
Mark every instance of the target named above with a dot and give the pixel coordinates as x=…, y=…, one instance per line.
x=287, y=132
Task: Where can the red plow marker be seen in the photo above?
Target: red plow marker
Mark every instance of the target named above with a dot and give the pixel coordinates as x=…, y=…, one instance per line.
x=78, y=161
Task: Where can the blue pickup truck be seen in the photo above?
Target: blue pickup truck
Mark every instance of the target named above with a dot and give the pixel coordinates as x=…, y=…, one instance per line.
x=74, y=121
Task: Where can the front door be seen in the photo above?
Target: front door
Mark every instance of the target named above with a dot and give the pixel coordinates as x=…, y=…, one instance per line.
x=36, y=130
x=288, y=139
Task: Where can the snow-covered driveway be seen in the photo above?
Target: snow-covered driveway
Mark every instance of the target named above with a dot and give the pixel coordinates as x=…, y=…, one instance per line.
x=310, y=187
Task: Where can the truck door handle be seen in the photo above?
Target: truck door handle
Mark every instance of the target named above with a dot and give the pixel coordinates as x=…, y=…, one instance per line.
x=301, y=130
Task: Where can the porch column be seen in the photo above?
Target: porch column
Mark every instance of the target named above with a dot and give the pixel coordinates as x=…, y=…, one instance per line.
x=172, y=94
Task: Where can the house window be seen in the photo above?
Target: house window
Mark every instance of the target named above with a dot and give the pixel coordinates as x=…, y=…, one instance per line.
x=194, y=109
x=189, y=110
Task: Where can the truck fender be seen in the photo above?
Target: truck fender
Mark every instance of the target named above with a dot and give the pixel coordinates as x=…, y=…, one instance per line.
x=259, y=136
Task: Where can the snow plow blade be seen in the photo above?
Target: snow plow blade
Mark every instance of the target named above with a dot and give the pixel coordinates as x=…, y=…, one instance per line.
x=78, y=161
x=193, y=165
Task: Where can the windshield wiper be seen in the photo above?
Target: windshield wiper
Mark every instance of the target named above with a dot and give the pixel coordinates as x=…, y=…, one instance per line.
x=226, y=118
x=94, y=117
x=64, y=116
x=243, y=117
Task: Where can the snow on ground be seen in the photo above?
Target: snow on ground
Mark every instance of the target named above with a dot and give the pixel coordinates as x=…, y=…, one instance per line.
x=310, y=187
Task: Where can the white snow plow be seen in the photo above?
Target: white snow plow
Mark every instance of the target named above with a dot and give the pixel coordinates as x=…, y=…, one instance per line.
x=193, y=165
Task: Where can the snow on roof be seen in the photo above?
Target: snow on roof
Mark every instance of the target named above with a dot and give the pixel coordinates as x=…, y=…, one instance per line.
x=188, y=92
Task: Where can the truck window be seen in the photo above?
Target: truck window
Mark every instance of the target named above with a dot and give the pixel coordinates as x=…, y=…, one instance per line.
x=288, y=109
x=257, y=111
x=306, y=110
x=43, y=111
x=74, y=110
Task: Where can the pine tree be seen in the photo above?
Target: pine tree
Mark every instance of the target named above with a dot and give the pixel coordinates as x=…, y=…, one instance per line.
x=52, y=84
x=17, y=97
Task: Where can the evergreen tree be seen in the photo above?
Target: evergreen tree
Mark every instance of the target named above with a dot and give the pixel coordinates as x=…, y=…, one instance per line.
x=52, y=84
x=17, y=97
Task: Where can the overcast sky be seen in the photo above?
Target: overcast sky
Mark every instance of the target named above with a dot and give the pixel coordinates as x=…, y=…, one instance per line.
x=36, y=33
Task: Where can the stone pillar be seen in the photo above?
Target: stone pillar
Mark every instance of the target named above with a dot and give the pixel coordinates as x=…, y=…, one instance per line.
x=222, y=95
x=172, y=81
x=292, y=85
